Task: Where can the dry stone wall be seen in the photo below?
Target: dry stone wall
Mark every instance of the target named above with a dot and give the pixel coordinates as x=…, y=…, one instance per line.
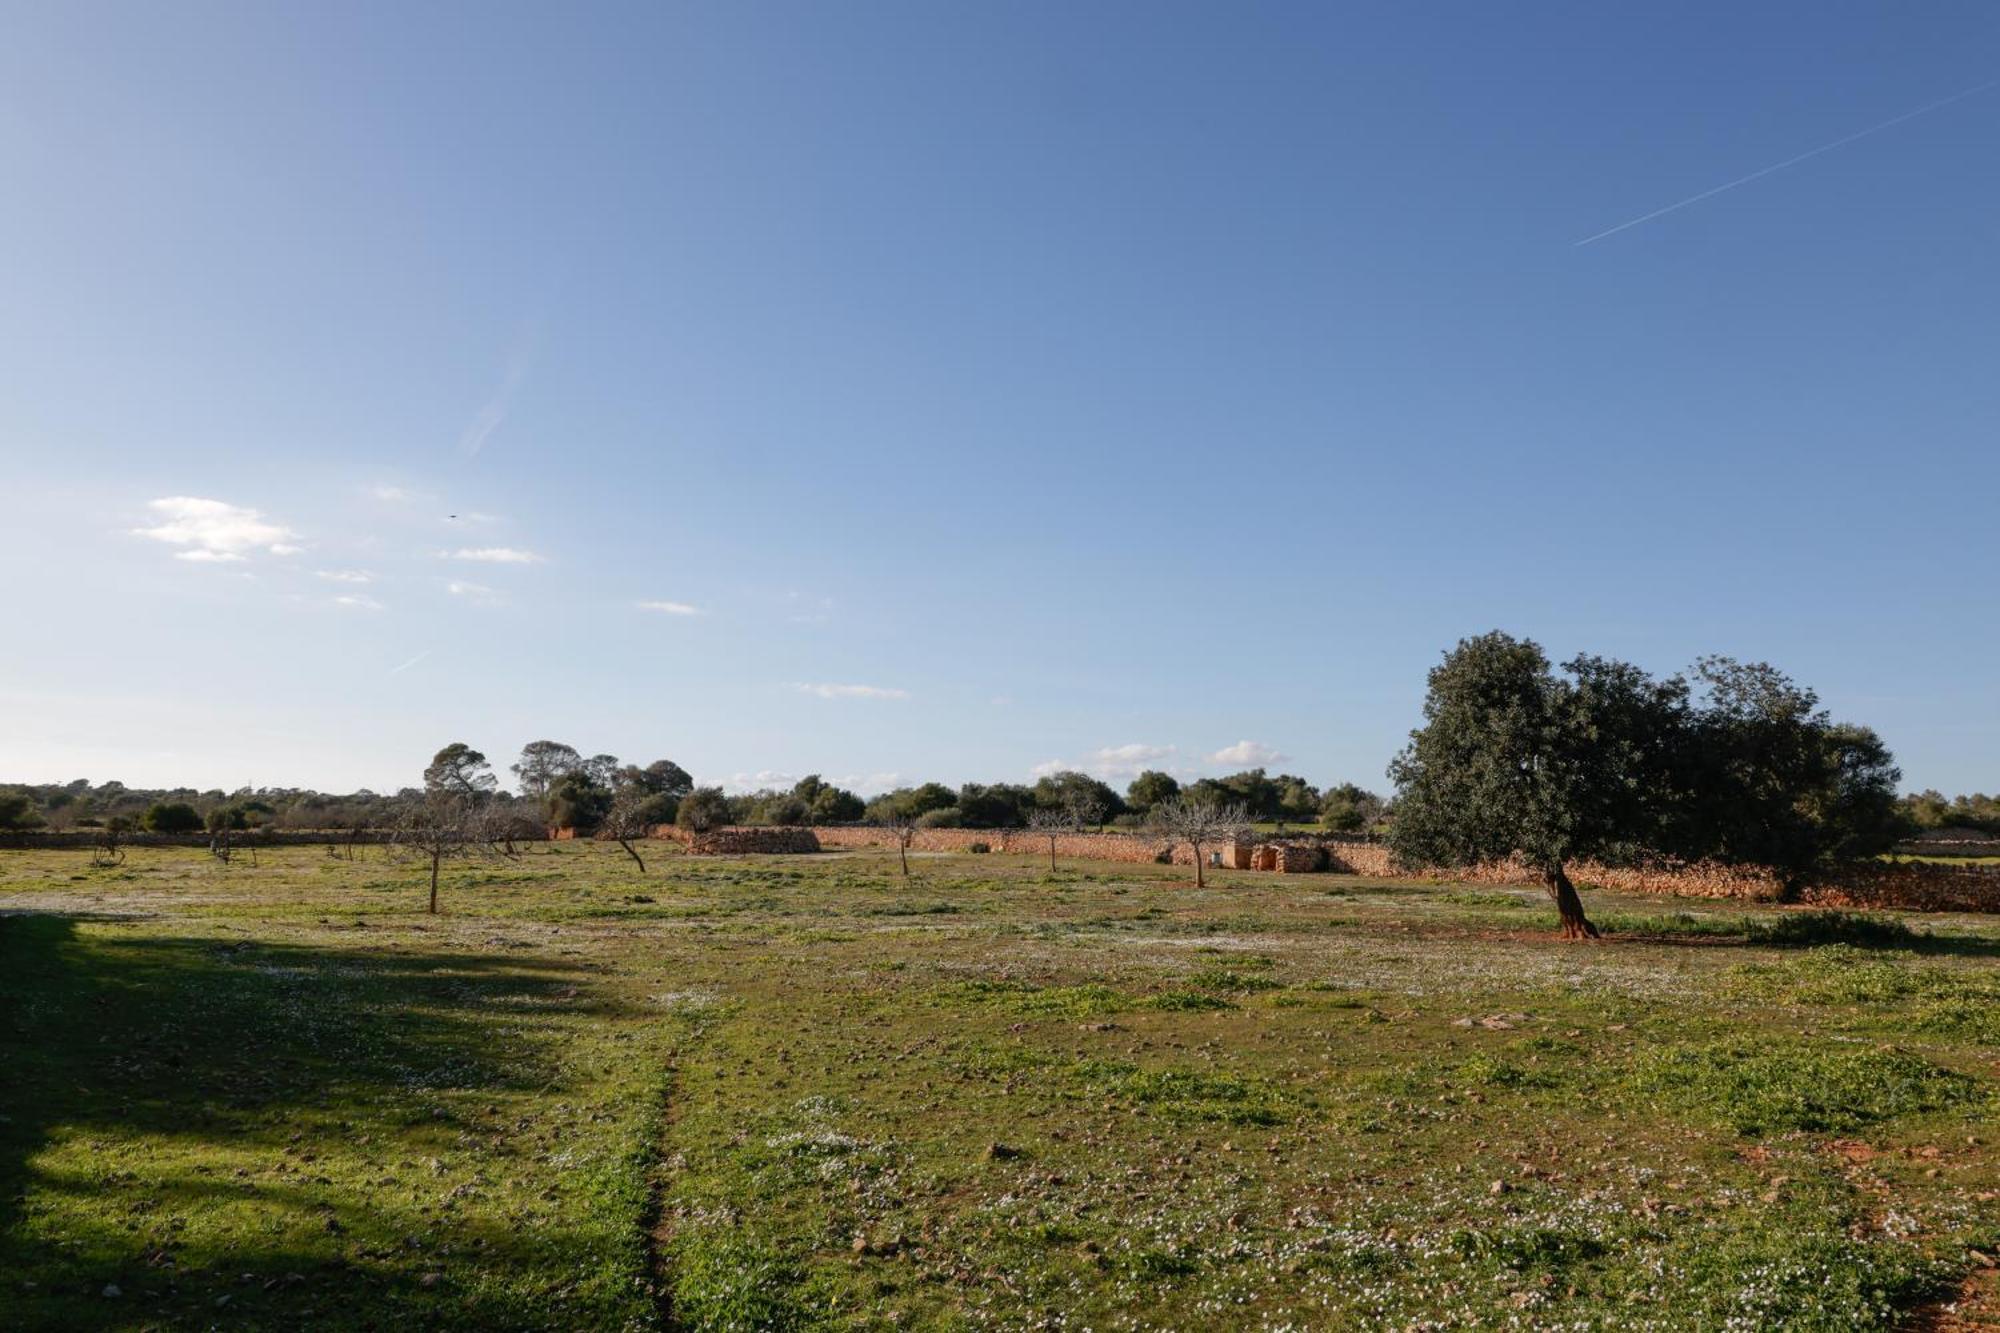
x=750, y=842
x=1920, y=887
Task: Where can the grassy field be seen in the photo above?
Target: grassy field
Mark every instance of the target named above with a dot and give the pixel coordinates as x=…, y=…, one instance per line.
x=804, y=1092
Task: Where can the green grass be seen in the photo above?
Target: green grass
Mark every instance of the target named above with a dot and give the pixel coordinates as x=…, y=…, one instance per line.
x=806, y=1093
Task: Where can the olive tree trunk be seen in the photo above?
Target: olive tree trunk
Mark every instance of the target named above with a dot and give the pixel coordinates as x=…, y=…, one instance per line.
x=436, y=856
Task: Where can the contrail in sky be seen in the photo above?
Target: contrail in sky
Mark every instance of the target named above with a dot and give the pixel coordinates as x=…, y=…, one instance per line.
x=396, y=671
x=1926, y=109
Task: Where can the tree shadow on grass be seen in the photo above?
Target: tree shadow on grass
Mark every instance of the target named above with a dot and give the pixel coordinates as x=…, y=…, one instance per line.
x=170, y=1108
x=1797, y=930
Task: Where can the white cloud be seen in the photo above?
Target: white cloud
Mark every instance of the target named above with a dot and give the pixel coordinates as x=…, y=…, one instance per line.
x=671, y=608
x=492, y=555
x=862, y=784
x=357, y=601
x=868, y=784
x=215, y=532
x=851, y=691
x=394, y=495
x=1248, y=754
x=763, y=779
x=473, y=592
x=1112, y=761
x=345, y=575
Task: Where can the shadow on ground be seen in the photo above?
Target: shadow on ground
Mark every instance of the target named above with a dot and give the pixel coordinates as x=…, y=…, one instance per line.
x=192, y=1057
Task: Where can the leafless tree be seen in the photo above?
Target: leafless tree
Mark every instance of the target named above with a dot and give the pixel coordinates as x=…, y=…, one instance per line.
x=501, y=824
x=903, y=828
x=1052, y=824
x=107, y=852
x=630, y=818
x=434, y=826
x=1197, y=820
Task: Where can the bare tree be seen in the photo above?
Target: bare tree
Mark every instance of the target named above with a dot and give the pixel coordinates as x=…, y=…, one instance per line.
x=632, y=815
x=434, y=826
x=500, y=824
x=107, y=852
x=1196, y=820
x=1051, y=824
x=903, y=828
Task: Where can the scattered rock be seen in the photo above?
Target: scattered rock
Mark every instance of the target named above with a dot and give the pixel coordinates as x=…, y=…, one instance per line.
x=1001, y=1152
x=111, y=1291
x=1497, y=1187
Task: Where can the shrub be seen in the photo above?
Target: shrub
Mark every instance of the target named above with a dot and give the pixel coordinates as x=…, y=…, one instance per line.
x=171, y=817
x=979, y=849
x=17, y=811
x=948, y=817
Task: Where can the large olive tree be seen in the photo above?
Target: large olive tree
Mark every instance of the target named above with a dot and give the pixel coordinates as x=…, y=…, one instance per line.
x=1514, y=761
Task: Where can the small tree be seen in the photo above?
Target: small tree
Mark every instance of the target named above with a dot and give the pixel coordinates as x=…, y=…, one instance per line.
x=107, y=852
x=630, y=817
x=1051, y=824
x=1196, y=820
x=703, y=809
x=501, y=823
x=902, y=826
x=437, y=825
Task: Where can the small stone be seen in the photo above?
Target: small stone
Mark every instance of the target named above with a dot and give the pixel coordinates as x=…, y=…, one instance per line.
x=1497, y=1187
x=430, y=1280
x=111, y=1291
x=1001, y=1152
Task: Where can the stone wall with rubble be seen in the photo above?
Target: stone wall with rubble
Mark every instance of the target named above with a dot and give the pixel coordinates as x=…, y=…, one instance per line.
x=738, y=840
x=1914, y=886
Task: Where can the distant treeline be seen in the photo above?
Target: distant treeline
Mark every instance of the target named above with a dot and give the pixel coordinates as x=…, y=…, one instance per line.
x=560, y=787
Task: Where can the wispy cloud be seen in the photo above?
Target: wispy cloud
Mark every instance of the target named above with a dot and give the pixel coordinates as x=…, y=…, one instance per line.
x=1112, y=761
x=829, y=691
x=473, y=592
x=399, y=670
x=1252, y=754
x=394, y=495
x=816, y=611
x=356, y=576
x=672, y=608
x=215, y=531
x=1810, y=153
x=492, y=555
x=357, y=601
x=494, y=411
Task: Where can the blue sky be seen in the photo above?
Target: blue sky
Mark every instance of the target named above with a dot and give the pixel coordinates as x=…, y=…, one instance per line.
x=968, y=389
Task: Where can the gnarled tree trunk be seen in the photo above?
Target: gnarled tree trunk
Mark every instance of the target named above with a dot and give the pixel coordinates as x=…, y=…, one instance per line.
x=1576, y=926
x=627, y=845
